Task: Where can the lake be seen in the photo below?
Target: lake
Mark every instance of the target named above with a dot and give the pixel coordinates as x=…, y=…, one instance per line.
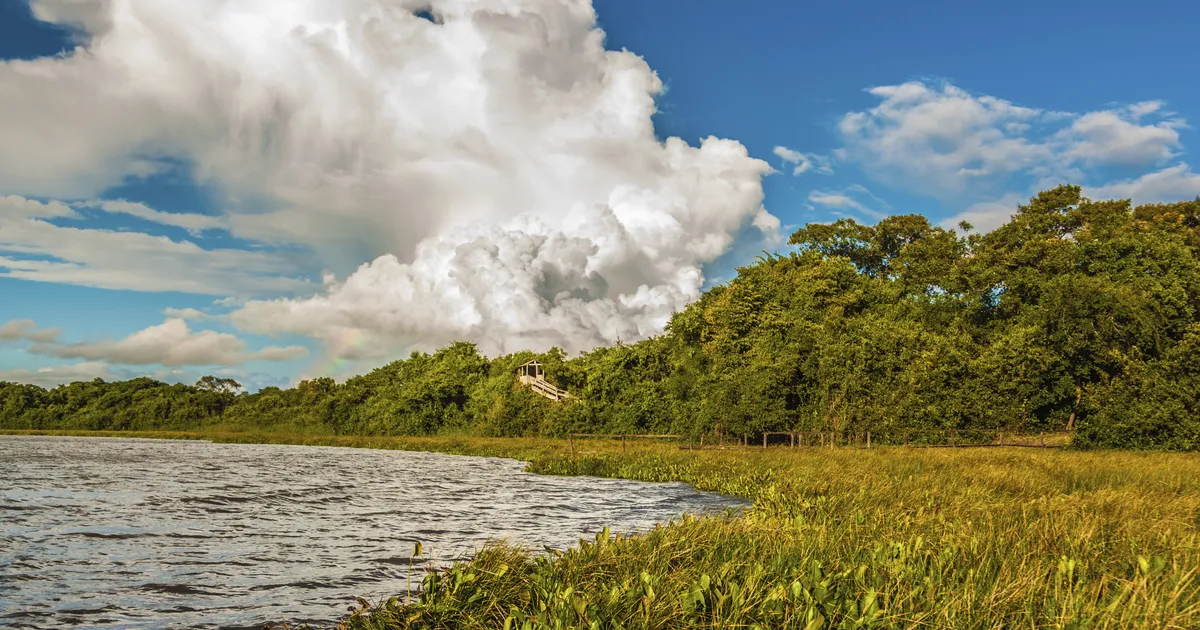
x=118, y=533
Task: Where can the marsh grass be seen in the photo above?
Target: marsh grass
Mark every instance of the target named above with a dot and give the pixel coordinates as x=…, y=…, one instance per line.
x=885, y=538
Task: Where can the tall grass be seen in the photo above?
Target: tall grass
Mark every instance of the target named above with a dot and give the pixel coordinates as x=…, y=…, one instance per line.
x=886, y=538
x=880, y=538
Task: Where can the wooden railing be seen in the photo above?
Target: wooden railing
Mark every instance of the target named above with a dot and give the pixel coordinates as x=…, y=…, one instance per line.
x=545, y=388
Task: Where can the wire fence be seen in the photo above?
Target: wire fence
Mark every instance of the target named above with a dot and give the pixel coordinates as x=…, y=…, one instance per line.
x=911, y=438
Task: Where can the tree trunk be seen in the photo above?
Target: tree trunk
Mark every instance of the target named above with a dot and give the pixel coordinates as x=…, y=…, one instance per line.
x=1074, y=409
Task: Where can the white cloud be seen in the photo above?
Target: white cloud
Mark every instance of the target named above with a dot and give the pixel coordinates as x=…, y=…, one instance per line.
x=769, y=225
x=193, y=223
x=499, y=168
x=136, y=261
x=854, y=199
x=171, y=344
x=1175, y=183
x=188, y=313
x=616, y=271
x=53, y=376
x=15, y=207
x=943, y=141
x=805, y=162
x=26, y=330
x=936, y=139
x=1119, y=137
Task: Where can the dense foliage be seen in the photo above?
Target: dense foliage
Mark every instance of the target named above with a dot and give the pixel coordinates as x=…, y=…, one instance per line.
x=1074, y=315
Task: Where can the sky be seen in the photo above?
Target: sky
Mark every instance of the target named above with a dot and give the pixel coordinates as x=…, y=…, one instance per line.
x=273, y=190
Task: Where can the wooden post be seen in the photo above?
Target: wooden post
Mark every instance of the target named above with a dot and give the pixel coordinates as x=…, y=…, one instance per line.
x=745, y=440
x=793, y=436
x=571, y=441
x=953, y=434
x=701, y=441
x=868, y=439
x=622, y=442
x=1042, y=439
x=764, y=440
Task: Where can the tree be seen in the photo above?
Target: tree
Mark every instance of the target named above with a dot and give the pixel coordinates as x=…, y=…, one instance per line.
x=216, y=384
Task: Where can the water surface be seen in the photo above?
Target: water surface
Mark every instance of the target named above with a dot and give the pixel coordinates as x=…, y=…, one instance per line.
x=157, y=533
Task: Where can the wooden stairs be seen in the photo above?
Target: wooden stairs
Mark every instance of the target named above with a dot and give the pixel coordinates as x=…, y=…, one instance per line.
x=532, y=376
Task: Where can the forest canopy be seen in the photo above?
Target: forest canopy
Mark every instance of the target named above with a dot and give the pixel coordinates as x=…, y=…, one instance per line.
x=1076, y=315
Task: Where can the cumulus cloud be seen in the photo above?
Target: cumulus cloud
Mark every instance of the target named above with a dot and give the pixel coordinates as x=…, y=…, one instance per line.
x=613, y=271
x=943, y=141
x=496, y=167
x=805, y=162
x=26, y=330
x=171, y=344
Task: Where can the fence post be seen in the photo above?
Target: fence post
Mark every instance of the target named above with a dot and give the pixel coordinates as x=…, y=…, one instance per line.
x=1042, y=439
x=764, y=440
x=868, y=439
x=793, y=436
x=571, y=441
x=623, y=442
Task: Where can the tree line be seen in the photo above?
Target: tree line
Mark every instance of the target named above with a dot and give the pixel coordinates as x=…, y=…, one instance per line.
x=1077, y=314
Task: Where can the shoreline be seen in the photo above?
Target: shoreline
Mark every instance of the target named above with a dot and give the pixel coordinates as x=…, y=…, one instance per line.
x=890, y=537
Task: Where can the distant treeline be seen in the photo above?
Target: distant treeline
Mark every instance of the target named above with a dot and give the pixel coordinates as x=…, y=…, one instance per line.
x=1075, y=315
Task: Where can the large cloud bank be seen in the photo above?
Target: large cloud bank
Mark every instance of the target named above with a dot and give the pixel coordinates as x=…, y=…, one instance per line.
x=490, y=168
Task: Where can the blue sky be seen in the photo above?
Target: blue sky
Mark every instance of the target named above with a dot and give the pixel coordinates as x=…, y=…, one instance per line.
x=180, y=198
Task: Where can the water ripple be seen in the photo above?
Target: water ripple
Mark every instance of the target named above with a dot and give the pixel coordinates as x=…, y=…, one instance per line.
x=166, y=534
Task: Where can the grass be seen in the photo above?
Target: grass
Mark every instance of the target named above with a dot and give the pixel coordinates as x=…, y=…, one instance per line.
x=885, y=538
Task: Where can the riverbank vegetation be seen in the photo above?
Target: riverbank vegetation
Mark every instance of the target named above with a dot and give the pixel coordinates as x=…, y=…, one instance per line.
x=836, y=538
x=885, y=538
x=1076, y=315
